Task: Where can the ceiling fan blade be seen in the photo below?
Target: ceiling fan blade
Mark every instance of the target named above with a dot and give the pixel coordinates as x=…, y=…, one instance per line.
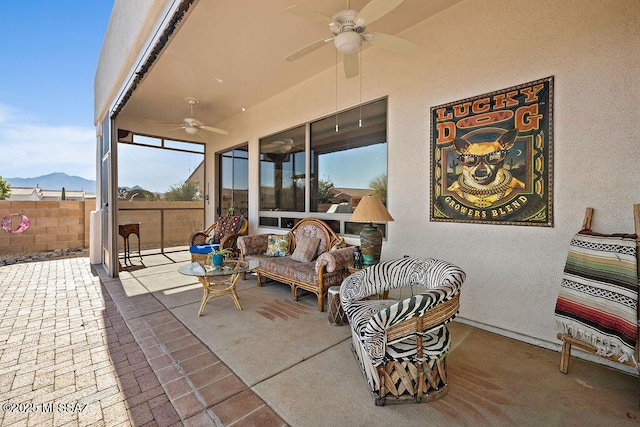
x=214, y=130
x=174, y=129
x=307, y=49
x=313, y=15
x=351, y=65
x=393, y=43
x=375, y=10
x=277, y=146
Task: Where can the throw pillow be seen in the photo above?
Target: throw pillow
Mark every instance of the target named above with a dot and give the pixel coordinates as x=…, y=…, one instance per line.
x=305, y=249
x=278, y=245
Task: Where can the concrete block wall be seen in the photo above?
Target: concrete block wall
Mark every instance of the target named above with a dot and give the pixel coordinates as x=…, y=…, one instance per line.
x=53, y=225
x=65, y=224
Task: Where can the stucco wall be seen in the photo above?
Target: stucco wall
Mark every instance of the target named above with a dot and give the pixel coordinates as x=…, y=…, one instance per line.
x=129, y=28
x=476, y=47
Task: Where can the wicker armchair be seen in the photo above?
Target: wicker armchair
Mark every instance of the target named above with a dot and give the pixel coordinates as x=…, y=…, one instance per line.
x=401, y=346
x=225, y=232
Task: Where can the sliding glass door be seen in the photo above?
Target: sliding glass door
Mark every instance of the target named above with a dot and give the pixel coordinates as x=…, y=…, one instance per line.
x=233, y=182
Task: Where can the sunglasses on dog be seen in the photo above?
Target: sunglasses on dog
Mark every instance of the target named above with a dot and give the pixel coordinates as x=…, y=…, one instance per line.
x=492, y=158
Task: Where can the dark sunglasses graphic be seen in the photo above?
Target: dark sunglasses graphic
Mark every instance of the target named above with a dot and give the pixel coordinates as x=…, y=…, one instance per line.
x=492, y=158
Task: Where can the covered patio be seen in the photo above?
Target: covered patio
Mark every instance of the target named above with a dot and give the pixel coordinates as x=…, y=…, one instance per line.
x=281, y=117
x=283, y=358
x=133, y=352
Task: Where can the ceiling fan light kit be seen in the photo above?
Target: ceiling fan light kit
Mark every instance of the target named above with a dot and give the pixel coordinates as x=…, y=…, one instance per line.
x=348, y=43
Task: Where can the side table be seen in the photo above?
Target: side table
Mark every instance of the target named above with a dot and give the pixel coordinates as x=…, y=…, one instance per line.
x=335, y=312
x=125, y=230
x=353, y=269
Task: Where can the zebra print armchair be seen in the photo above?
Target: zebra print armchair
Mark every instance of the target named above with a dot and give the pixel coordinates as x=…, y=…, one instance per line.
x=401, y=346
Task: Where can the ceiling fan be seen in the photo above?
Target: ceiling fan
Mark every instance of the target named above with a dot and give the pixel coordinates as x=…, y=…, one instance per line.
x=192, y=126
x=278, y=146
x=348, y=28
x=277, y=151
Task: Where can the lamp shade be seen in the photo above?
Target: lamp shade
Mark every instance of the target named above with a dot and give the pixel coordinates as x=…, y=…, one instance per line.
x=370, y=209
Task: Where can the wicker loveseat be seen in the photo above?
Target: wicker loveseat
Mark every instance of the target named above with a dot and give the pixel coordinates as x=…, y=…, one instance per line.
x=401, y=346
x=328, y=266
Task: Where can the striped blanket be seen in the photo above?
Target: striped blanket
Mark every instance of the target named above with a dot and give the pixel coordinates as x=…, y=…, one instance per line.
x=598, y=298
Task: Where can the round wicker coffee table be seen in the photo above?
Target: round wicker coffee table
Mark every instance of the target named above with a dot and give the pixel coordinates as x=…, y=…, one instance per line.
x=218, y=281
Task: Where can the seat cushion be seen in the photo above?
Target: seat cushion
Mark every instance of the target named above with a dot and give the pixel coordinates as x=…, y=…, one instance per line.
x=434, y=342
x=287, y=267
x=203, y=249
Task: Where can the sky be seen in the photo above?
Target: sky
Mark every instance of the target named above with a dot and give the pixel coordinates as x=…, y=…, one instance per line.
x=49, y=53
x=48, y=58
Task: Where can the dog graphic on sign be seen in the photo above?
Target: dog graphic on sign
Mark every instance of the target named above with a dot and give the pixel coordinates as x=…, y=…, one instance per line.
x=484, y=181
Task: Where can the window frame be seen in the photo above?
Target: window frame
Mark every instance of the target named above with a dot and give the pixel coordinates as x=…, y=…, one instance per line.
x=285, y=219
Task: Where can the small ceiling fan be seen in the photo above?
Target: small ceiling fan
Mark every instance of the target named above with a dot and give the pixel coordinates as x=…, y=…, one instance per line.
x=278, y=146
x=277, y=151
x=348, y=28
x=192, y=126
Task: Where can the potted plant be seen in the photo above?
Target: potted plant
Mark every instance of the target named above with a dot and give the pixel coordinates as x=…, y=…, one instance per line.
x=217, y=255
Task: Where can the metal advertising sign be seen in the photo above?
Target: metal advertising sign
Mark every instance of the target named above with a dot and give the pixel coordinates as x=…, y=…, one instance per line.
x=491, y=157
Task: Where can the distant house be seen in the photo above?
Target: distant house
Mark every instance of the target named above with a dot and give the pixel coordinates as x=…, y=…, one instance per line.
x=37, y=193
x=197, y=177
x=352, y=196
x=54, y=195
x=344, y=200
x=20, y=193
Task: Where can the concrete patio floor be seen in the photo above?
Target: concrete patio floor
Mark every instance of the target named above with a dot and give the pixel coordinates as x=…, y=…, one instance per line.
x=79, y=348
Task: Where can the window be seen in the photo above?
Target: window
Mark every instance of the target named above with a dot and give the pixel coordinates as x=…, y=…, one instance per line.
x=282, y=171
x=349, y=163
x=347, y=159
x=234, y=182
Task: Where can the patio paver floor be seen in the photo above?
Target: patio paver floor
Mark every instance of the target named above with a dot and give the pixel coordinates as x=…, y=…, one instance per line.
x=75, y=350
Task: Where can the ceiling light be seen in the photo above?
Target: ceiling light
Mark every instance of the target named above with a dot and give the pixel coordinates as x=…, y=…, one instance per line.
x=191, y=130
x=348, y=42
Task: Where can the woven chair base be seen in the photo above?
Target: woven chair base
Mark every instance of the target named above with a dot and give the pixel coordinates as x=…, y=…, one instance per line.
x=402, y=382
x=204, y=258
x=201, y=258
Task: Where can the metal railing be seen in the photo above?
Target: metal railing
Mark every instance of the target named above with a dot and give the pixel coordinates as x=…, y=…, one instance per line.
x=162, y=224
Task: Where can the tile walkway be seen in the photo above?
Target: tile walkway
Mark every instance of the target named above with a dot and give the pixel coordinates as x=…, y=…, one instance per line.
x=75, y=350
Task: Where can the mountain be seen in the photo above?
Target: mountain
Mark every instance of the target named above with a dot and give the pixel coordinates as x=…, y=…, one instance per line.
x=55, y=181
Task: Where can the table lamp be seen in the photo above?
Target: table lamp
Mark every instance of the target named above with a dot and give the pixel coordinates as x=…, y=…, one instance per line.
x=370, y=209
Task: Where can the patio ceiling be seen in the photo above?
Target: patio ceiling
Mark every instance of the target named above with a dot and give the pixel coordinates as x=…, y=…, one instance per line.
x=230, y=55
